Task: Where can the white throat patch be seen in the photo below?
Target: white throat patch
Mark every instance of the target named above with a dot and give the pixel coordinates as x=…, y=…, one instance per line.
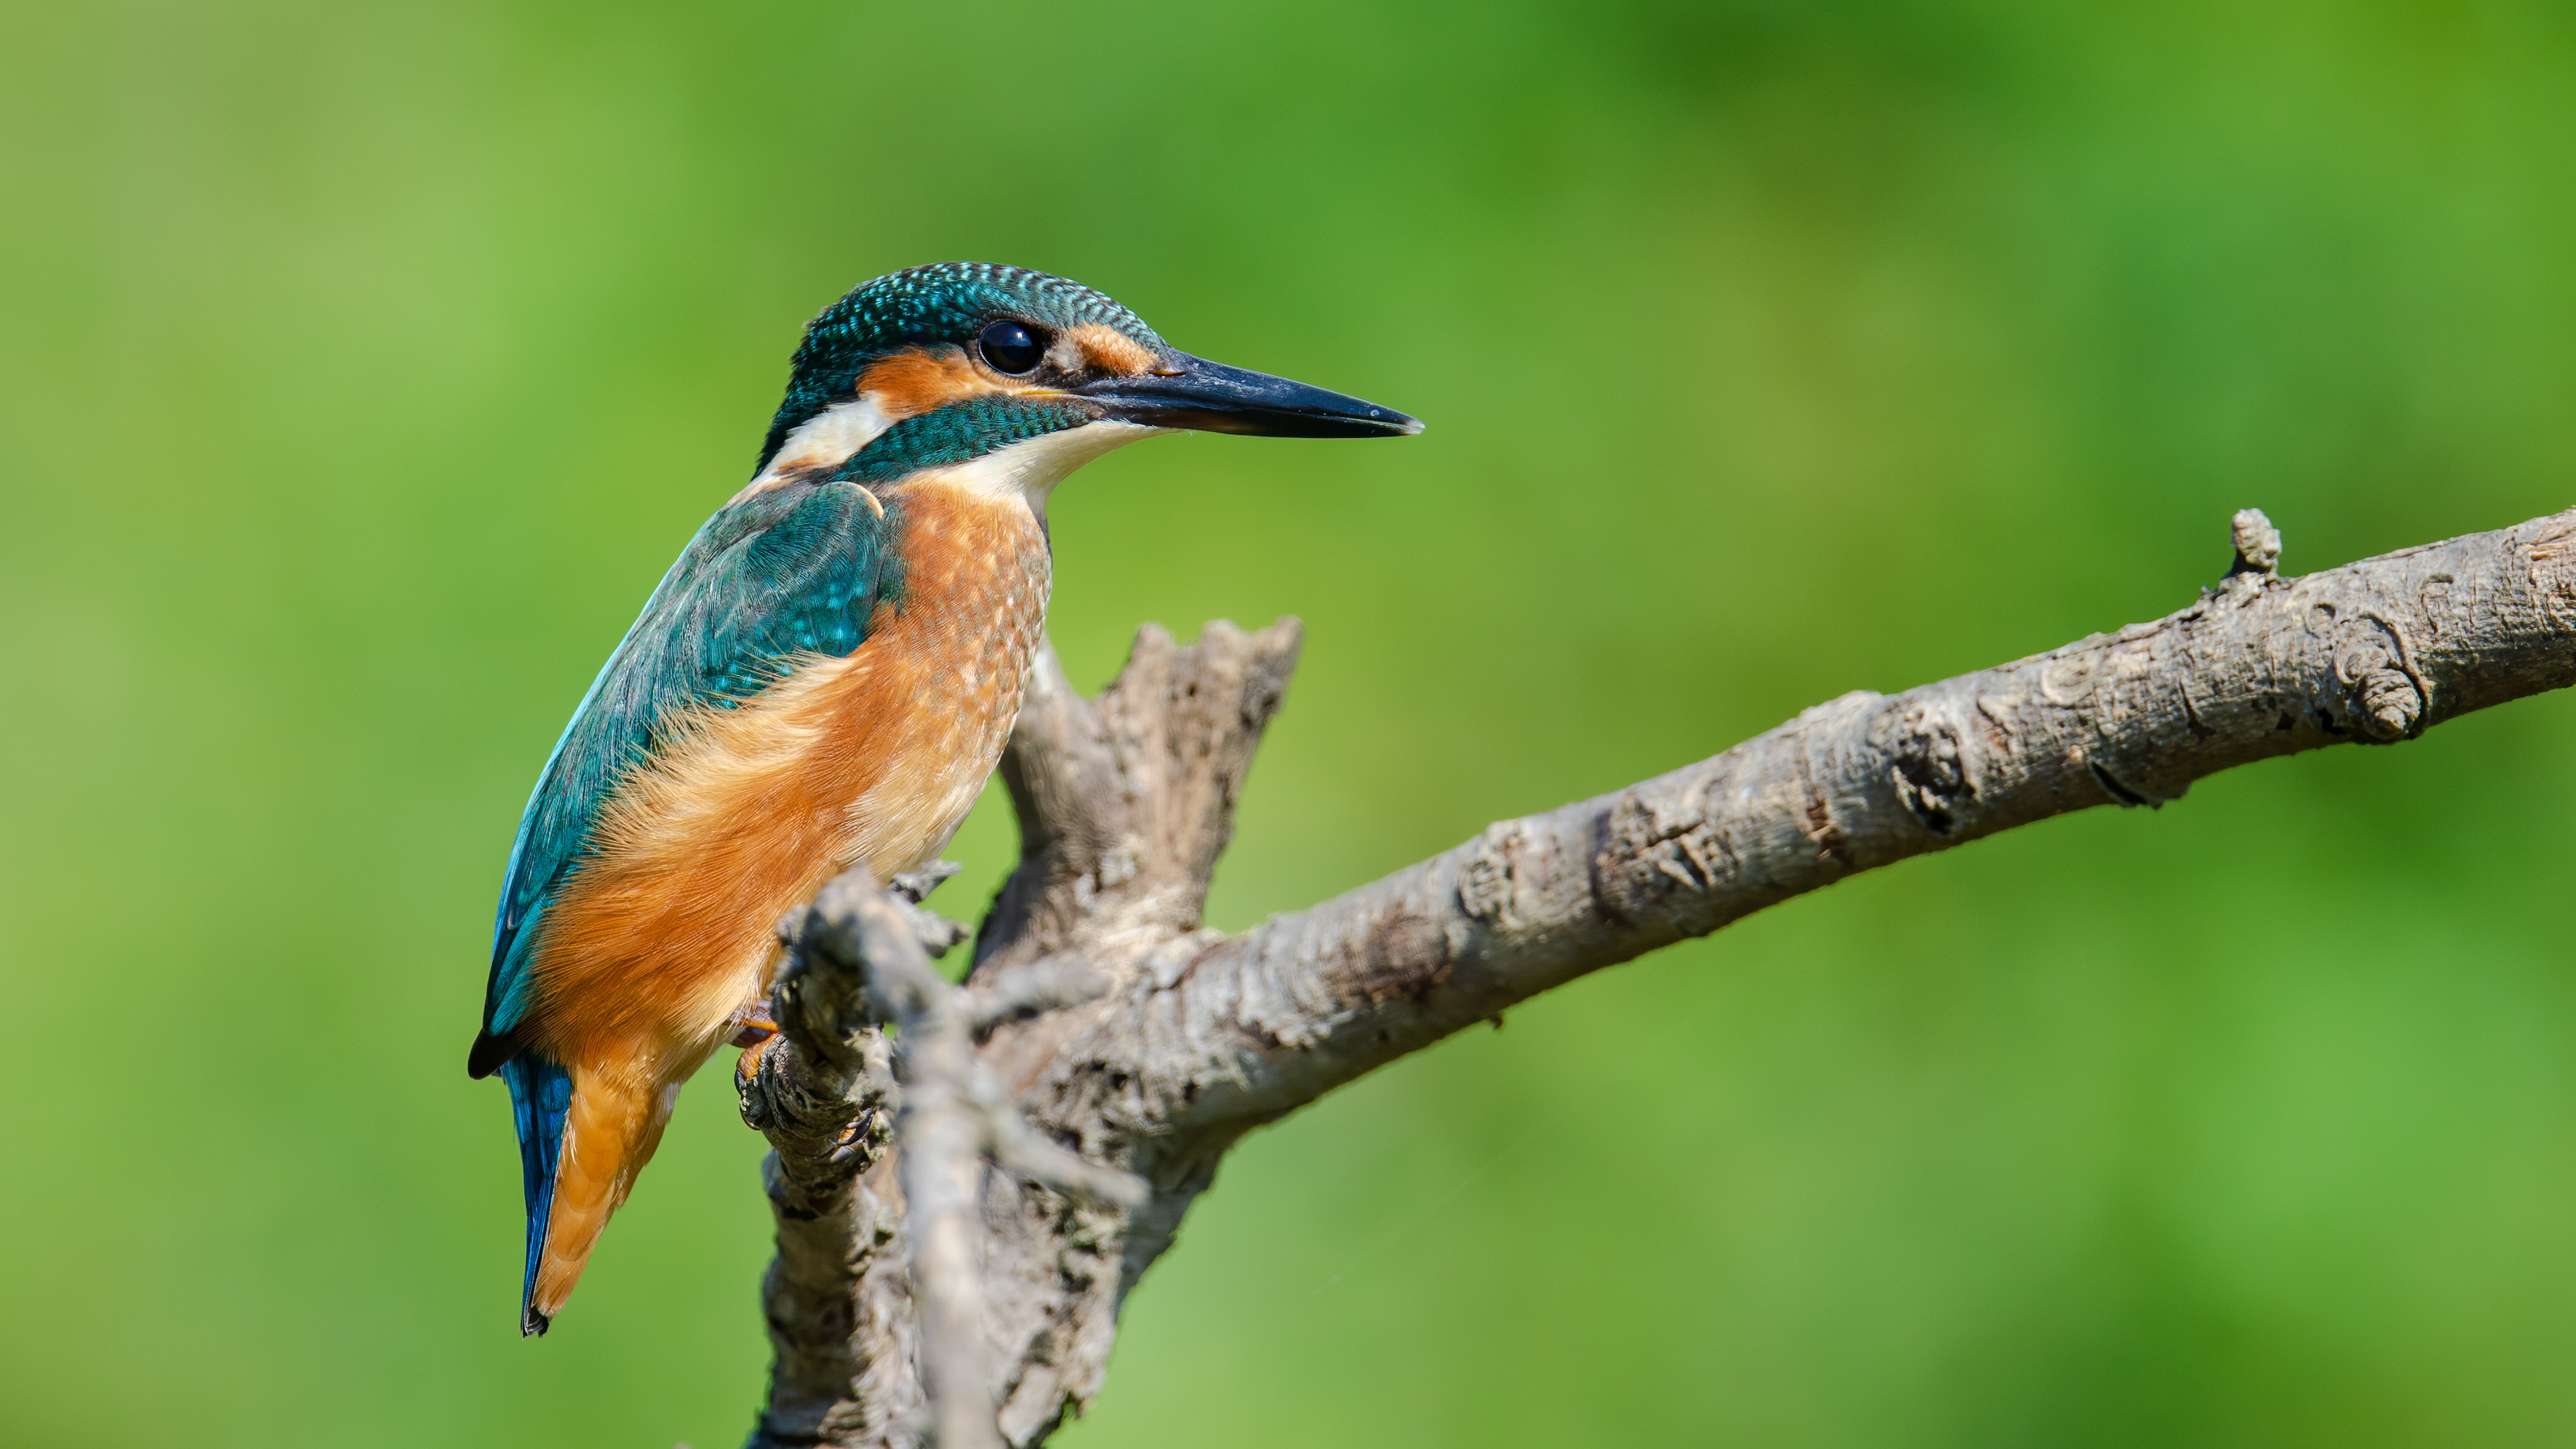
x=1030, y=470
x=1025, y=470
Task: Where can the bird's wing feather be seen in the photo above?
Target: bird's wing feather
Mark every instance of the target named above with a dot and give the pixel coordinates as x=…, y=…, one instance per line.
x=540, y=1097
x=793, y=570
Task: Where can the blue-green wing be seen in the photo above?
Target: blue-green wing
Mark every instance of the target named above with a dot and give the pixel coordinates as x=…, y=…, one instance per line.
x=793, y=570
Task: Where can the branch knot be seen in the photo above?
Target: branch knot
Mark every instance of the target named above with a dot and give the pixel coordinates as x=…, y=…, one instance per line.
x=2258, y=554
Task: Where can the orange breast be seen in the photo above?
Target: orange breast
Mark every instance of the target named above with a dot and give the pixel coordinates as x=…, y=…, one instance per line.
x=667, y=932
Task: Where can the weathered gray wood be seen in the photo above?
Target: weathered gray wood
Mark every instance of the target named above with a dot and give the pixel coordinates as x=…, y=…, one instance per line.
x=1131, y=1036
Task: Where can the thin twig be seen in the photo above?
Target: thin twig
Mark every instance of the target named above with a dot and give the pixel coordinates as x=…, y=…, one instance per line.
x=1049, y=984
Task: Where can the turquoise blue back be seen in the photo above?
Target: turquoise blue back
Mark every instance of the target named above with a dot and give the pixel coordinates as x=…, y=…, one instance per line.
x=793, y=570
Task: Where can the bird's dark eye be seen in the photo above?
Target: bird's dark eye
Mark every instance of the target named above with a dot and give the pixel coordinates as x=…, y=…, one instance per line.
x=1009, y=347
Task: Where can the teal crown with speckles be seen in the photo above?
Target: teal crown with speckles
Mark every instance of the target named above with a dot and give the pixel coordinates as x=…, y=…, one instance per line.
x=946, y=302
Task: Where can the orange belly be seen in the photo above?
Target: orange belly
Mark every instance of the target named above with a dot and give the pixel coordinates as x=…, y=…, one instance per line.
x=666, y=933
x=649, y=958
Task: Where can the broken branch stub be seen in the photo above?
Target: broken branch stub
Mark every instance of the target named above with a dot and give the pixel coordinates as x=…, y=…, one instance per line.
x=1126, y=801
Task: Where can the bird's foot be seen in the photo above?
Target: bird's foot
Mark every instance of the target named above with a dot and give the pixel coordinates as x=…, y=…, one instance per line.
x=753, y=1033
x=870, y=1130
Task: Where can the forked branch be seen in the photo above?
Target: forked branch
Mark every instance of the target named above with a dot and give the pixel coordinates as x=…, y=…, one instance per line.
x=1132, y=1038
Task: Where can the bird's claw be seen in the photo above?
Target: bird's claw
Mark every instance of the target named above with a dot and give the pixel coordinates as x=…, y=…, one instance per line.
x=756, y=1029
x=746, y=1068
x=867, y=1130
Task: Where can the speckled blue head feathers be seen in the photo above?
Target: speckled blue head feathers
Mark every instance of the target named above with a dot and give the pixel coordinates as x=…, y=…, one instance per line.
x=1012, y=354
x=943, y=304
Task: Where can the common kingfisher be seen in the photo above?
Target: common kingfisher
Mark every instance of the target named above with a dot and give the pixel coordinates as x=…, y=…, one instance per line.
x=825, y=678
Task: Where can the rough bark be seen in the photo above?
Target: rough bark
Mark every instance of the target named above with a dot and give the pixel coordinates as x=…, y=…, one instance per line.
x=1133, y=1039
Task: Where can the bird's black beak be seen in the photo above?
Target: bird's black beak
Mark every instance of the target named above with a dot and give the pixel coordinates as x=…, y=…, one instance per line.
x=1214, y=398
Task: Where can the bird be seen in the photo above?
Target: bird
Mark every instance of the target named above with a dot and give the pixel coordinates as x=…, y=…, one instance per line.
x=825, y=678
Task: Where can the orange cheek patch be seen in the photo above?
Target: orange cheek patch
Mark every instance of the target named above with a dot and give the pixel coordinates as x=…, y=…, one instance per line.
x=914, y=382
x=1112, y=350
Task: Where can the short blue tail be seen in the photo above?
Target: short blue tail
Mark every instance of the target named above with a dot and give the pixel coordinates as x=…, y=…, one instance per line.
x=540, y=1097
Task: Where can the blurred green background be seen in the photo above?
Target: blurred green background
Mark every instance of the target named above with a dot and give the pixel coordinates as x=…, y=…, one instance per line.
x=362, y=366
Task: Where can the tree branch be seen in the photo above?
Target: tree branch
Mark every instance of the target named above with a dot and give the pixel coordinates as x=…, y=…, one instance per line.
x=2373, y=652
x=1130, y=1036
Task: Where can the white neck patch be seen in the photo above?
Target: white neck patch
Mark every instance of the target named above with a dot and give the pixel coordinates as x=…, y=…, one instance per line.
x=826, y=439
x=1026, y=470
x=1029, y=470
